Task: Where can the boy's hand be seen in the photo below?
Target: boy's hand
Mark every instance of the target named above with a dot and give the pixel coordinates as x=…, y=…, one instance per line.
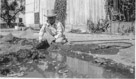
x=53, y=41
x=40, y=41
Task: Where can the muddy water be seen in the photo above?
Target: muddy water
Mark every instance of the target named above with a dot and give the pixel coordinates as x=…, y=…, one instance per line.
x=85, y=68
x=91, y=70
x=56, y=65
x=75, y=68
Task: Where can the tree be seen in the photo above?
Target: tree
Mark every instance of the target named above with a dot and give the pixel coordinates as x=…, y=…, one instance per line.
x=10, y=9
x=60, y=8
x=125, y=8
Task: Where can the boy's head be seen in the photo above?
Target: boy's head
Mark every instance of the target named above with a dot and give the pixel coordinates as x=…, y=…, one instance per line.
x=51, y=16
x=51, y=20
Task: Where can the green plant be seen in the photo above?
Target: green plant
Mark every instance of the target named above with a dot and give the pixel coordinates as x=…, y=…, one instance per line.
x=75, y=31
x=90, y=26
x=101, y=26
x=60, y=9
x=126, y=28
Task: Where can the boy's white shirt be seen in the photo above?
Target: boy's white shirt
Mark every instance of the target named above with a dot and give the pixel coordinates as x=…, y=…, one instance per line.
x=56, y=29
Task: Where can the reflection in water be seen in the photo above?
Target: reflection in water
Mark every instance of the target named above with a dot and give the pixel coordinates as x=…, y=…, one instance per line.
x=91, y=70
x=76, y=68
x=83, y=67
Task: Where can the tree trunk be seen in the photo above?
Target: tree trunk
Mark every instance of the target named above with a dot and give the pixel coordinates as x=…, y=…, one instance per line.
x=9, y=24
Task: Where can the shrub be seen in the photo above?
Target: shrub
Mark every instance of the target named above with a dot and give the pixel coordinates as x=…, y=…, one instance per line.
x=126, y=28
x=90, y=26
x=101, y=26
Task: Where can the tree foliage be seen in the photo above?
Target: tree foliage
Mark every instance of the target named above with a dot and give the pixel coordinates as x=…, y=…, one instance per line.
x=60, y=9
x=10, y=9
x=125, y=9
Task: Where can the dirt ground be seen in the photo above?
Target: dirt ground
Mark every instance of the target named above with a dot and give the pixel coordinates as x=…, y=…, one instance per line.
x=112, y=52
x=125, y=55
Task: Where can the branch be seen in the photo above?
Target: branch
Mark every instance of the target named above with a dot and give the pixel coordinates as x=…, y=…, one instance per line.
x=16, y=13
x=3, y=18
x=6, y=3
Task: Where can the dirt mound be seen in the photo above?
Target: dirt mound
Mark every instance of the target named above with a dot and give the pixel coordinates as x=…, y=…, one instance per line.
x=9, y=63
x=32, y=42
x=29, y=29
x=8, y=37
x=29, y=32
x=26, y=28
x=11, y=39
x=10, y=43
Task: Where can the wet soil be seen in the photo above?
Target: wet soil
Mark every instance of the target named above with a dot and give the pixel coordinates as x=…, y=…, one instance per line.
x=20, y=58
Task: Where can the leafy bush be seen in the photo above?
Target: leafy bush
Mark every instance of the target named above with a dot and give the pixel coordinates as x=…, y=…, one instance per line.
x=60, y=9
x=126, y=28
x=90, y=26
x=101, y=26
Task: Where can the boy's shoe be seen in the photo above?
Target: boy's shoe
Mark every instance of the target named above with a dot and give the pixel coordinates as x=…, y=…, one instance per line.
x=43, y=45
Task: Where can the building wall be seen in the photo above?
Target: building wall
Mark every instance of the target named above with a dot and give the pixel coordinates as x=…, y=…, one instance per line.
x=44, y=6
x=78, y=11
x=20, y=15
x=0, y=5
x=37, y=6
x=29, y=12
